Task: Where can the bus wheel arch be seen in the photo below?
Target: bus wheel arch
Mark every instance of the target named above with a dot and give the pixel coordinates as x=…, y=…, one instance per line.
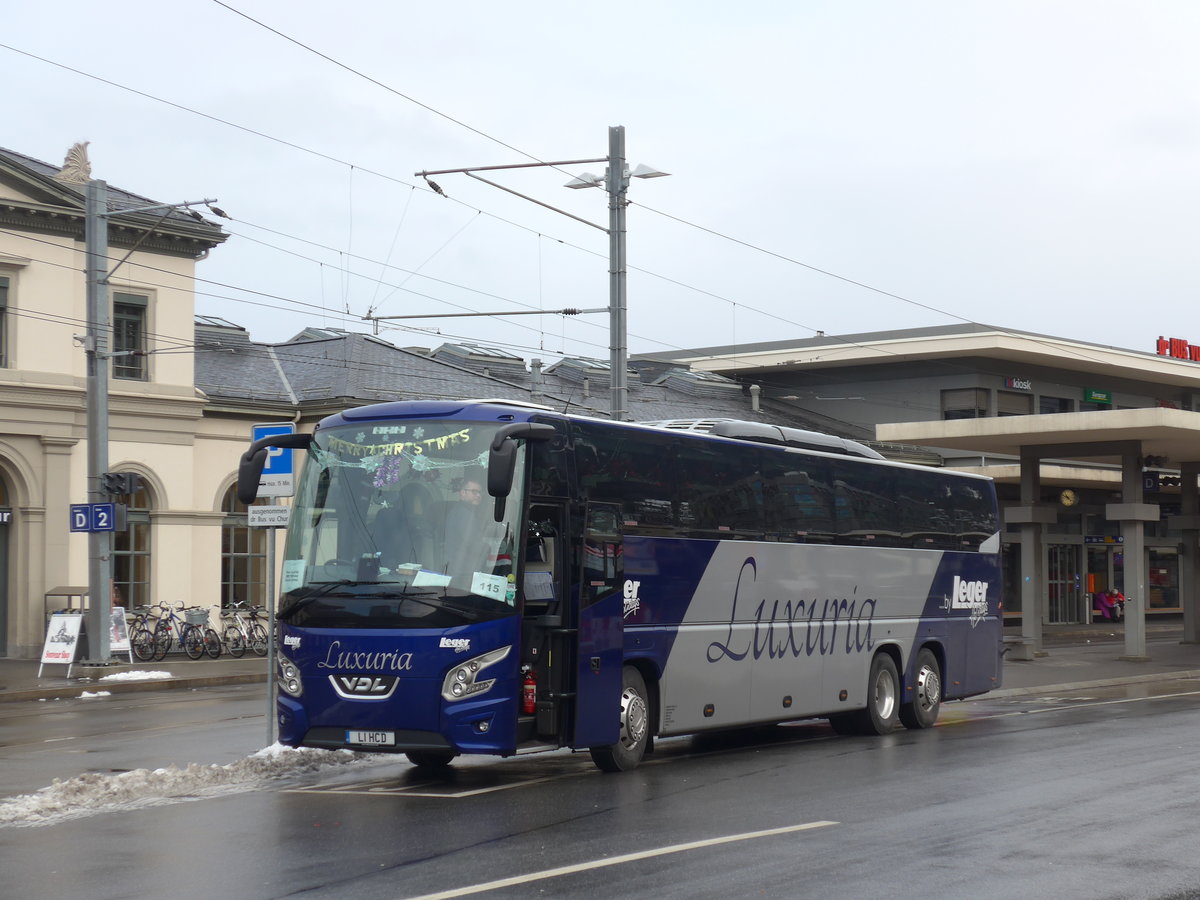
x=923, y=696
x=882, y=712
x=636, y=726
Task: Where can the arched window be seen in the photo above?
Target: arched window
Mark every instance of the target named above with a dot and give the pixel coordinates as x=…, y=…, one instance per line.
x=243, y=555
x=131, y=554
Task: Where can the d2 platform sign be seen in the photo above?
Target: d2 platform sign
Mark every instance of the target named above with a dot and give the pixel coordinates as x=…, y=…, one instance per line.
x=94, y=517
x=278, y=478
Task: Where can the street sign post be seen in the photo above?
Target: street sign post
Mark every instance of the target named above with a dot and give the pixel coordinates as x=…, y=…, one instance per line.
x=277, y=480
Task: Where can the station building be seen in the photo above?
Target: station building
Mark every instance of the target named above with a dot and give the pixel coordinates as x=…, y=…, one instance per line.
x=1095, y=450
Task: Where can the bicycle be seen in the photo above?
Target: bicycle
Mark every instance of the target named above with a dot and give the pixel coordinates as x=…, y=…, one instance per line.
x=141, y=632
x=190, y=633
x=238, y=634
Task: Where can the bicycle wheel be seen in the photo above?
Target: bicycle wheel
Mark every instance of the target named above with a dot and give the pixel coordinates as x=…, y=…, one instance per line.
x=162, y=639
x=212, y=643
x=258, y=639
x=235, y=641
x=142, y=644
x=193, y=641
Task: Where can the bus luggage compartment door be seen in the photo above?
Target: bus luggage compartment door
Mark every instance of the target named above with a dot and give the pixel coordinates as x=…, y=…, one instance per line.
x=601, y=631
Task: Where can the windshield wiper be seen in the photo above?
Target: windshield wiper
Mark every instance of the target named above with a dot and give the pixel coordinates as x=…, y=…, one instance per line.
x=324, y=590
x=428, y=598
x=431, y=599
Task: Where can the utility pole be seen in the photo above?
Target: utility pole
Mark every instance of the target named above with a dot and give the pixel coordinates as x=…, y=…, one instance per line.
x=618, y=183
x=97, y=349
x=615, y=182
x=97, y=346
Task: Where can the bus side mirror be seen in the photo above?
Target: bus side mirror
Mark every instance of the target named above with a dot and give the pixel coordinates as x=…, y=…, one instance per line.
x=502, y=458
x=252, y=462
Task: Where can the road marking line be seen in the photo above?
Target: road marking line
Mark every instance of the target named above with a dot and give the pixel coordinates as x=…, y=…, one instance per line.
x=616, y=861
x=378, y=789
x=1081, y=705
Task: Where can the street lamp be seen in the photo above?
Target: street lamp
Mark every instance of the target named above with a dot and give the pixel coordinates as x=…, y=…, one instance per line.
x=616, y=182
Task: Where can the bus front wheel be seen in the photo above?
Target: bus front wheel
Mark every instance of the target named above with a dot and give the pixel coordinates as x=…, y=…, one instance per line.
x=922, y=710
x=627, y=752
x=883, y=698
x=431, y=759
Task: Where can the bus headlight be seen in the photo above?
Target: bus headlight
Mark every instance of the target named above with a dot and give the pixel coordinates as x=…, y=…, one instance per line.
x=461, y=681
x=289, y=677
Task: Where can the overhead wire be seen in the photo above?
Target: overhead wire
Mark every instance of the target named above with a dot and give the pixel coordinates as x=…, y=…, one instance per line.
x=328, y=157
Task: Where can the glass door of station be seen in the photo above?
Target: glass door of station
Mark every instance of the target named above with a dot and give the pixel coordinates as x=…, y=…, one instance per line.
x=1064, y=584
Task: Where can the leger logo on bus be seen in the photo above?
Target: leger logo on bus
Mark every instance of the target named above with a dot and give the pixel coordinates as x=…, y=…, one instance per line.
x=968, y=594
x=364, y=687
x=458, y=645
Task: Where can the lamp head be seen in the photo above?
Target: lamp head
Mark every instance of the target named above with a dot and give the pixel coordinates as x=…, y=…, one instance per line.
x=585, y=180
x=643, y=171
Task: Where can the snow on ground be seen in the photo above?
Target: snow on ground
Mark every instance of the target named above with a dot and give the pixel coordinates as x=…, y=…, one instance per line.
x=87, y=695
x=137, y=675
x=92, y=793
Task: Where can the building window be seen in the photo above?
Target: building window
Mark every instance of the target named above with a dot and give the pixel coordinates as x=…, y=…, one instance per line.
x=965, y=403
x=4, y=285
x=129, y=336
x=1049, y=405
x=131, y=554
x=243, y=556
x=1010, y=403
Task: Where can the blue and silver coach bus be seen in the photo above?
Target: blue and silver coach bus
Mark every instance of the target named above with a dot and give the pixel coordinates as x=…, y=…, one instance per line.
x=490, y=577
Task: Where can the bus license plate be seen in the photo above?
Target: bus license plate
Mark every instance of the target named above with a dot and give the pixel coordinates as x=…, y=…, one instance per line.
x=371, y=738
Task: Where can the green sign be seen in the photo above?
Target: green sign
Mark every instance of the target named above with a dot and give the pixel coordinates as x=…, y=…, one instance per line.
x=1091, y=395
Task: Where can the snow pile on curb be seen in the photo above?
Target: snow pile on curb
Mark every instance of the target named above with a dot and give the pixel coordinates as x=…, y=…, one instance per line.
x=87, y=695
x=137, y=675
x=92, y=793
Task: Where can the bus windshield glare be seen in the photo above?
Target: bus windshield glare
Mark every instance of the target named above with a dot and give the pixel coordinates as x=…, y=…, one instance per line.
x=392, y=527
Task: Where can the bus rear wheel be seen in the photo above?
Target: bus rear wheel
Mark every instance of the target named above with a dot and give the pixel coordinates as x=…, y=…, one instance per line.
x=431, y=759
x=882, y=714
x=627, y=752
x=922, y=710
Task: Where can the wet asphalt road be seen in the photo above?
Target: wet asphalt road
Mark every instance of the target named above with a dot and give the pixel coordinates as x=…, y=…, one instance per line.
x=1089, y=795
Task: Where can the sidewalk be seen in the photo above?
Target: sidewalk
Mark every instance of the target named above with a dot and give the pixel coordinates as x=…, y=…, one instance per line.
x=19, y=677
x=1078, y=656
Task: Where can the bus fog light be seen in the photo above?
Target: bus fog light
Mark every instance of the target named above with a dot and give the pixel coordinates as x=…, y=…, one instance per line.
x=290, y=677
x=460, y=681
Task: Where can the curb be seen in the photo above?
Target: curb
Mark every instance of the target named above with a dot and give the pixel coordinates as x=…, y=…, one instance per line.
x=1005, y=693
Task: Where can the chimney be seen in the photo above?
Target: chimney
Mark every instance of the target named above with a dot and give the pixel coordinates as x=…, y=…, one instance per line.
x=535, y=380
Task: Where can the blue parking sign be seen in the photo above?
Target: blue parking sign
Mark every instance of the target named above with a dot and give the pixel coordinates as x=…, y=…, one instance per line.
x=277, y=473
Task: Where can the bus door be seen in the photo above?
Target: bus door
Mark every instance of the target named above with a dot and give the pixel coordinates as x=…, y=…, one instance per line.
x=601, y=634
x=547, y=641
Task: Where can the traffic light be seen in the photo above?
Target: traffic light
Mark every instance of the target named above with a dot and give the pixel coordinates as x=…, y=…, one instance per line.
x=121, y=483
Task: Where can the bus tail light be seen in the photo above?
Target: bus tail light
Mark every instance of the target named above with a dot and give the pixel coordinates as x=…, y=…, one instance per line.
x=461, y=681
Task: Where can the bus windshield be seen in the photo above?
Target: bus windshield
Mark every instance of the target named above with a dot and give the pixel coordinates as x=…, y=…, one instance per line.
x=392, y=527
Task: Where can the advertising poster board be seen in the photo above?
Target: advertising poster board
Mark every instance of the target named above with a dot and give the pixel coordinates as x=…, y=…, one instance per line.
x=62, y=641
x=118, y=633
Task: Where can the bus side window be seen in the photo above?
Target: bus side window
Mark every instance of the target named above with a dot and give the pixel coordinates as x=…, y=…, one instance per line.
x=603, y=556
x=541, y=561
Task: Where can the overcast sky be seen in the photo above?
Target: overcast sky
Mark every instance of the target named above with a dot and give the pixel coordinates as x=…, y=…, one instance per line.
x=1030, y=165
